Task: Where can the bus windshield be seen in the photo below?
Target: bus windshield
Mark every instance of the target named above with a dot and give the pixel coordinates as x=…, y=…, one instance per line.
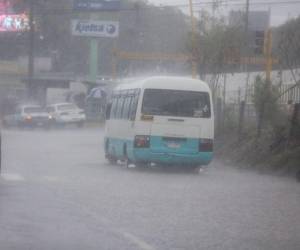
x=179, y=103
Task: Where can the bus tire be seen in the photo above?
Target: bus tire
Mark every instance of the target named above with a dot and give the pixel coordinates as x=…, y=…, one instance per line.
x=111, y=160
x=125, y=155
x=109, y=157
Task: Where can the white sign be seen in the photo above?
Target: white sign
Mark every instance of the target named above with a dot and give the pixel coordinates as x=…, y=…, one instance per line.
x=95, y=28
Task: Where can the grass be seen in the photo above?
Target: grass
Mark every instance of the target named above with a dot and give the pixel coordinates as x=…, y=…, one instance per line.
x=257, y=153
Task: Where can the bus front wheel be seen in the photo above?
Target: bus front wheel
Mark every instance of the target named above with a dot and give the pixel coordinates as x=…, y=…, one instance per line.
x=111, y=160
x=110, y=157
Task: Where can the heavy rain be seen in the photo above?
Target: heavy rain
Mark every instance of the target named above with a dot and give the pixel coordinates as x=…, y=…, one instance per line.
x=149, y=124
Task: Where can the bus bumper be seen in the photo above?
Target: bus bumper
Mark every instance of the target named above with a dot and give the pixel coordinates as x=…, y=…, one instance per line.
x=146, y=156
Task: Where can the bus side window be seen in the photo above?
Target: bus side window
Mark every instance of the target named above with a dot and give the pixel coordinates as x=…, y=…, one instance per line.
x=120, y=107
x=206, y=107
x=108, y=111
x=129, y=107
x=113, y=108
x=125, y=113
x=133, y=106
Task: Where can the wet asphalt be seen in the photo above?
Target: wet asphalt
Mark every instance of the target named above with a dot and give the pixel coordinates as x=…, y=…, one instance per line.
x=58, y=192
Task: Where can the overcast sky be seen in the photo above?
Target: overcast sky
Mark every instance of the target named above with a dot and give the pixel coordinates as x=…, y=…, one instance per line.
x=280, y=12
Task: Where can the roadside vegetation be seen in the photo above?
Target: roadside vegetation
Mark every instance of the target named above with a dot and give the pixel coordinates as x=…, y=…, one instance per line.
x=271, y=143
x=270, y=140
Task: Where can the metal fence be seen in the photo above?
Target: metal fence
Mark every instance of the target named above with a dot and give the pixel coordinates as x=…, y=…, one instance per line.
x=289, y=93
x=286, y=93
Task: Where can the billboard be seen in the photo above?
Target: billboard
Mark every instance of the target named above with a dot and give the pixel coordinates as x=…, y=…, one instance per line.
x=92, y=28
x=96, y=5
x=14, y=23
x=12, y=16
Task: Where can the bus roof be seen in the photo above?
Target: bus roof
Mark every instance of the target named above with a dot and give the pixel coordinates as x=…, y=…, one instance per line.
x=165, y=82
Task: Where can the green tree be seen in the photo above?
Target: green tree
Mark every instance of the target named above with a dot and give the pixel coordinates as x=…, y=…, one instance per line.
x=215, y=45
x=287, y=47
x=266, y=104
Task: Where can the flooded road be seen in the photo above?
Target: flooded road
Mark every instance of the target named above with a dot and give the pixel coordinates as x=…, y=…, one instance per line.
x=58, y=192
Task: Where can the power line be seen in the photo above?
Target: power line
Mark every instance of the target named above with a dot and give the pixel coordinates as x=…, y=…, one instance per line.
x=225, y=3
x=232, y=3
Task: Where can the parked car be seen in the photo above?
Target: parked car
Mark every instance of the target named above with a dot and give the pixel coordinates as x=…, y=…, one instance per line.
x=66, y=113
x=27, y=116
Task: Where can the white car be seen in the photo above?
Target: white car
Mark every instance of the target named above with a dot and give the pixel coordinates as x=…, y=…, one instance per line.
x=66, y=113
x=27, y=116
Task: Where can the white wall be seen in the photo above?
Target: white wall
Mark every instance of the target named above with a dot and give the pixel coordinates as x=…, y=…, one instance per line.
x=55, y=95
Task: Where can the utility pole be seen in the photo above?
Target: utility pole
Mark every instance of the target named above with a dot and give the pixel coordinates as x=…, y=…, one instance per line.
x=269, y=62
x=246, y=42
x=246, y=53
x=268, y=55
x=194, y=64
x=246, y=49
x=30, y=84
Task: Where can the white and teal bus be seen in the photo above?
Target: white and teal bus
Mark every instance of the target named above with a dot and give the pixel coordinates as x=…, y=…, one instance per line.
x=161, y=120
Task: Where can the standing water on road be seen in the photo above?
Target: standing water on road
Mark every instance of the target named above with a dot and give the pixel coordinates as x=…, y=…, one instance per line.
x=149, y=125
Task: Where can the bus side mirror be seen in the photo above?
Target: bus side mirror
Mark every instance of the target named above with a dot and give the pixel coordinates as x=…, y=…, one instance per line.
x=107, y=111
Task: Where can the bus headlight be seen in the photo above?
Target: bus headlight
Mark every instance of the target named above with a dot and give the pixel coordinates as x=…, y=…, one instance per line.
x=142, y=141
x=206, y=145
